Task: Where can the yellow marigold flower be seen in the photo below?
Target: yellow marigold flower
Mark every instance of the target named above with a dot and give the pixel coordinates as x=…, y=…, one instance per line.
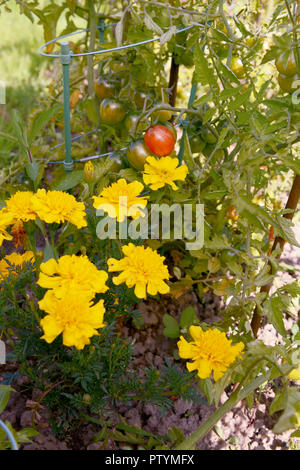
x=73, y=316
x=20, y=206
x=121, y=199
x=210, y=351
x=14, y=260
x=6, y=219
x=158, y=173
x=58, y=207
x=72, y=273
x=89, y=171
x=143, y=268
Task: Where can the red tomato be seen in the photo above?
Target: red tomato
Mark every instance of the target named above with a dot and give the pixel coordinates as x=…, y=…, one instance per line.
x=159, y=140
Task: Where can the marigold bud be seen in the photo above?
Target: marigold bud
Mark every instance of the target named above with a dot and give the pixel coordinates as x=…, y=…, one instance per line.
x=89, y=172
x=86, y=398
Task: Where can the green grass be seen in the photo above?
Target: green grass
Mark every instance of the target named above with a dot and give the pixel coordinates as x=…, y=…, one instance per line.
x=22, y=70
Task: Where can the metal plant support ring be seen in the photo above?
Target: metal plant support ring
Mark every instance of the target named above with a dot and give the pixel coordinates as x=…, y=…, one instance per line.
x=65, y=57
x=10, y=436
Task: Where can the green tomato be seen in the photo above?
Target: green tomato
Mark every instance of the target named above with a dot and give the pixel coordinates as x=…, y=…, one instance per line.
x=286, y=83
x=170, y=126
x=104, y=89
x=140, y=97
x=287, y=68
x=208, y=136
x=196, y=143
x=137, y=153
x=237, y=67
x=111, y=111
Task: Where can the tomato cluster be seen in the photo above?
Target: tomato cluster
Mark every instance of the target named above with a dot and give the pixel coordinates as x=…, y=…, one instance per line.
x=124, y=105
x=203, y=140
x=158, y=140
x=288, y=71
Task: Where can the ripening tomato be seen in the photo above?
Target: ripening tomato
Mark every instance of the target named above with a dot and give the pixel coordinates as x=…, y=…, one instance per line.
x=286, y=65
x=237, y=67
x=111, y=111
x=104, y=89
x=170, y=126
x=137, y=153
x=159, y=140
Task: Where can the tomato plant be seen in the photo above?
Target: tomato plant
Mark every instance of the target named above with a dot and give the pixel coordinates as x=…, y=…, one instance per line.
x=237, y=161
x=111, y=111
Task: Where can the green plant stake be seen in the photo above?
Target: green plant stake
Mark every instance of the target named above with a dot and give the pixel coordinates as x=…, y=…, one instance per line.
x=101, y=26
x=65, y=60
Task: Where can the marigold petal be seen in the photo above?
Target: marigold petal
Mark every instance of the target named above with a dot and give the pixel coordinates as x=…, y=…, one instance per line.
x=51, y=328
x=204, y=369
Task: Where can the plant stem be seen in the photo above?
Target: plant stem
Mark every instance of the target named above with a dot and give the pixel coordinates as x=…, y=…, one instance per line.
x=173, y=82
